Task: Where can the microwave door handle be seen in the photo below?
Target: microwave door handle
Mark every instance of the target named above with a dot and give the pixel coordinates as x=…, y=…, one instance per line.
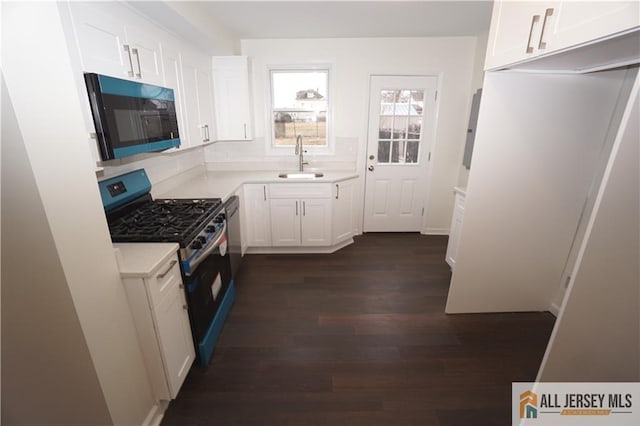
x=211, y=247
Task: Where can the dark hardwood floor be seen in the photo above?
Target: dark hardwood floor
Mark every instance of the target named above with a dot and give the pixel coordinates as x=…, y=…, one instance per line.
x=360, y=337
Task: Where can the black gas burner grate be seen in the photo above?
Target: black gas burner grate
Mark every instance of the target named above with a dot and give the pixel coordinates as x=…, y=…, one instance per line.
x=170, y=220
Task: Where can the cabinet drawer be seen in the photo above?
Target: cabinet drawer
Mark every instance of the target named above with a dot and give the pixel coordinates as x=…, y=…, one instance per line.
x=164, y=280
x=300, y=190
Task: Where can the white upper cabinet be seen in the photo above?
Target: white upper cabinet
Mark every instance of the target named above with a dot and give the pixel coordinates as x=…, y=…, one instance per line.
x=113, y=41
x=198, y=111
x=232, y=98
x=524, y=30
x=173, y=79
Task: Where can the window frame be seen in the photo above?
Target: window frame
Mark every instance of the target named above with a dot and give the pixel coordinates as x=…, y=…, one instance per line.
x=271, y=148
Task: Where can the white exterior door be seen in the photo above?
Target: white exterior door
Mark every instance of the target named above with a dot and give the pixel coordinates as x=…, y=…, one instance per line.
x=401, y=123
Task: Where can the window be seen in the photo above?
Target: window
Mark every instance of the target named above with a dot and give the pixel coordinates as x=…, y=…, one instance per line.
x=299, y=106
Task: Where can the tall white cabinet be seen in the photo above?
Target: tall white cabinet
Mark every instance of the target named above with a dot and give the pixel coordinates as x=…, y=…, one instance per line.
x=232, y=98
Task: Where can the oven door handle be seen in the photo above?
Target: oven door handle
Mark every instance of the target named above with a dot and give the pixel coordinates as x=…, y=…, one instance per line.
x=213, y=245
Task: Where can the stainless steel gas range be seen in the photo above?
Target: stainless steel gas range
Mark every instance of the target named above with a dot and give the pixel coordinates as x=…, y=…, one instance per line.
x=199, y=227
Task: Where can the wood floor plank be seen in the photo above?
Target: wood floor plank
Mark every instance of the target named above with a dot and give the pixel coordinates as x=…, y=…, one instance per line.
x=360, y=337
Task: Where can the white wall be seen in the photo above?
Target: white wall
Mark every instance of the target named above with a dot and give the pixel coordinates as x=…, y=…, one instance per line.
x=353, y=61
x=476, y=83
x=48, y=110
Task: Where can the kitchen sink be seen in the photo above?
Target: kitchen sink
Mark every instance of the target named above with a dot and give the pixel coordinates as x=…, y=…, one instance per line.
x=301, y=175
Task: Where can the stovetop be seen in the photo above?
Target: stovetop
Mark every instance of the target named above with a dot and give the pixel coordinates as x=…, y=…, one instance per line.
x=163, y=220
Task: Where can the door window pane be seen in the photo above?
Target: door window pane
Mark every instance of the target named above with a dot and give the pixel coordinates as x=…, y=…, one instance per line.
x=400, y=126
x=383, y=151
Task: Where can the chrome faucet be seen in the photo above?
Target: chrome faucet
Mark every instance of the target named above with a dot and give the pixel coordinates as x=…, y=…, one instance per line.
x=300, y=153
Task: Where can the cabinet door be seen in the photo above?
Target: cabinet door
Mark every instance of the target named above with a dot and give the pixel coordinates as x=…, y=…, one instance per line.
x=173, y=80
x=515, y=32
x=343, y=211
x=205, y=102
x=101, y=41
x=257, y=215
x=454, y=233
x=579, y=22
x=316, y=222
x=285, y=222
x=174, y=336
x=145, y=53
x=194, y=132
x=231, y=98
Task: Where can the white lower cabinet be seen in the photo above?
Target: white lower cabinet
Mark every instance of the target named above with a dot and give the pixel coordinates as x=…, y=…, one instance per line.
x=158, y=305
x=343, y=211
x=300, y=214
x=456, y=226
x=257, y=215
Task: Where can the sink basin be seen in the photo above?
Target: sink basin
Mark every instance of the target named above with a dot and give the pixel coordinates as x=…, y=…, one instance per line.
x=300, y=175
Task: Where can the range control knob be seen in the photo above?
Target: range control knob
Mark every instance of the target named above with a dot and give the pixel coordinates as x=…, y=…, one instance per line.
x=196, y=244
x=220, y=218
x=202, y=239
x=210, y=229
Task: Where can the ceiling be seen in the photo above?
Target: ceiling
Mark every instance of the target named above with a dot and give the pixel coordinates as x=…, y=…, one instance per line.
x=337, y=19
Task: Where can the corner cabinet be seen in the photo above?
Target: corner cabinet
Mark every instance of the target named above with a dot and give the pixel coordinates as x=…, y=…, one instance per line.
x=456, y=227
x=524, y=30
x=343, y=193
x=232, y=102
x=153, y=283
x=300, y=214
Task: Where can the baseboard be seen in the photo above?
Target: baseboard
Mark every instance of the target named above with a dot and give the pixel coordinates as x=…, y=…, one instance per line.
x=299, y=250
x=554, y=309
x=435, y=231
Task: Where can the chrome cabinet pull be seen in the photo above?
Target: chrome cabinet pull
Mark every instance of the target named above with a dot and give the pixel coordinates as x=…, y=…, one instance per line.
x=304, y=208
x=135, y=52
x=164, y=274
x=245, y=131
x=535, y=19
x=547, y=13
x=264, y=190
x=337, y=191
x=128, y=50
x=296, y=208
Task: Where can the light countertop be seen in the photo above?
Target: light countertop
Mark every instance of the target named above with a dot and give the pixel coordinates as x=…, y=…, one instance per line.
x=143, y=259
x=223, y=184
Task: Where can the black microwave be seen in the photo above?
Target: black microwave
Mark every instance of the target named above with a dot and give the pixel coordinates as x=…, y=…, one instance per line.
x=131, y=117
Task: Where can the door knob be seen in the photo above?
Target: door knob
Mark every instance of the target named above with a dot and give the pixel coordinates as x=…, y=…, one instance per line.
x=372, y=157
x=370, y=168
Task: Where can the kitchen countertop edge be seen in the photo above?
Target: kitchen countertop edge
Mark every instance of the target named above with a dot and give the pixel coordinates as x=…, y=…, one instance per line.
x=141, y=260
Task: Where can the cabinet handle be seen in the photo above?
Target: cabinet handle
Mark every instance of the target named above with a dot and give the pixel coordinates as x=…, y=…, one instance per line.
x=205, y=128
x=296, y=208
x=245, y=131
x=164, y=274
x=535, y=19
x=304, y=208
x=128, y=50
x=135, y=52
x=337, y=191
x=264, y=191
x=547, y=13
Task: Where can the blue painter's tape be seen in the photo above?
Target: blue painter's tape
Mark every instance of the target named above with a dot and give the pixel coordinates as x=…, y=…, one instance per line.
x=208, y=344
x=146, y=147
x=136, y=183
x=117, y=86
